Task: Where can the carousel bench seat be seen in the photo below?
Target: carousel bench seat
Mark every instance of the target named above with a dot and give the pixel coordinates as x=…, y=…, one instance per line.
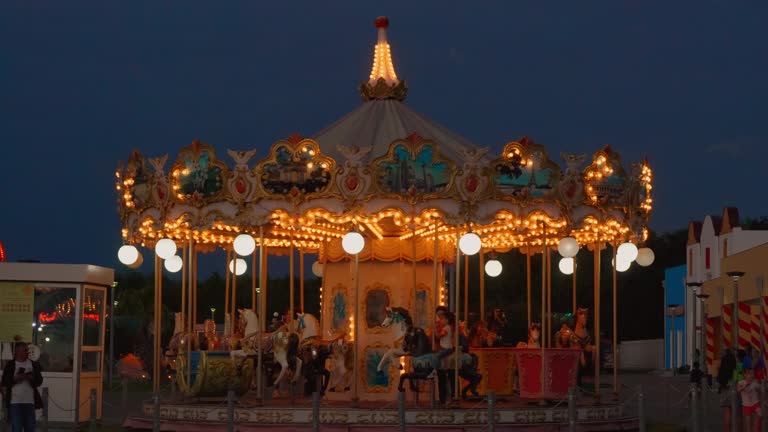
x=211, y=373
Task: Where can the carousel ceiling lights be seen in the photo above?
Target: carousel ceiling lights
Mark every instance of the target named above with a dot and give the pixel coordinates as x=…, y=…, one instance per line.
x=165, y=248
x=353, y=242
x=645, y=257
x=173, y=264
x=128, y=254
x=627, y=252
x=566, y=265
x=568, y=247
x=317, y=269
x=244, y=244
x=493, y=268
x=242, y=266
x=470, y=243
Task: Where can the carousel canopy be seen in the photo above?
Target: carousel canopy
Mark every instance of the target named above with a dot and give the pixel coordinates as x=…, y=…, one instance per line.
x=391, y=174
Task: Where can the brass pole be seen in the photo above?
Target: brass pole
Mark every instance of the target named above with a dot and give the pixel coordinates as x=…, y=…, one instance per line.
x=254, y=269
x=292, y=282
x=456, y=311
x=357, y=323
x=301, y=280
x=436, y=287
x=233, y=288
x=528, y=281
x=615, y=328
x=573, y=311
x=543, y=336
x=227, y=295
x=413, y=271
x=482, y=285
x=550, y=332
x=156, y=326
x=466, y=287
x=183, y=285
x=596, y=352
x=191, y=336
x=259, y=293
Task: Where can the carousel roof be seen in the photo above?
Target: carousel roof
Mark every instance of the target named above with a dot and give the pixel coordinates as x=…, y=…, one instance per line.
x=391, y=174
x=384, y=118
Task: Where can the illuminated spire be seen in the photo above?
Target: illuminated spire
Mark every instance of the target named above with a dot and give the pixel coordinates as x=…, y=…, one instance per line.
x=383, y=82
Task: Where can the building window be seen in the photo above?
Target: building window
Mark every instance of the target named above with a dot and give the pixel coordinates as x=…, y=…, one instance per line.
x=725, y=248
x=690, y=262
x=706, y=258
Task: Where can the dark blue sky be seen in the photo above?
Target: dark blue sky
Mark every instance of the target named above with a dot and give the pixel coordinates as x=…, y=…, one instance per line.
x=82, y=83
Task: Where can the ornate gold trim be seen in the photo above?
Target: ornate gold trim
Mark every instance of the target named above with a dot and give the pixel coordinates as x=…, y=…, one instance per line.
x=381, y=90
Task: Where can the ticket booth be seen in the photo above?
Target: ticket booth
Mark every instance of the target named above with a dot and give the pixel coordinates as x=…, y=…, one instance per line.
x=61, y=309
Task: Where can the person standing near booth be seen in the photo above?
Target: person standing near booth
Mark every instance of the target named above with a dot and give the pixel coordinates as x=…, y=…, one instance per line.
x=21, y=378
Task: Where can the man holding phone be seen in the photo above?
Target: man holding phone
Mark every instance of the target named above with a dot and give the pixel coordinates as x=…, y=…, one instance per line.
x=21, y=378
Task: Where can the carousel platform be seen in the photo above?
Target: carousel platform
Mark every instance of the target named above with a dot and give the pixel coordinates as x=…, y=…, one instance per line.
x=511, y=414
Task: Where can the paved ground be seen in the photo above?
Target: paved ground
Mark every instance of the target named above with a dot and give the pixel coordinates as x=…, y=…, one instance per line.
x=666, y=399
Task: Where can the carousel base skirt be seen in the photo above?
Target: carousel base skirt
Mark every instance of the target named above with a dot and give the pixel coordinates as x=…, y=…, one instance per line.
x=512, y=414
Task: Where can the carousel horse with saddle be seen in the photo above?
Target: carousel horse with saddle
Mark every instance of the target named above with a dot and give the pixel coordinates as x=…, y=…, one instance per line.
x=413, y=341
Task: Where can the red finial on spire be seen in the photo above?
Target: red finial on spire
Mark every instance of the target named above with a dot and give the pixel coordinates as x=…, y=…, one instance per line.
x=382, y=22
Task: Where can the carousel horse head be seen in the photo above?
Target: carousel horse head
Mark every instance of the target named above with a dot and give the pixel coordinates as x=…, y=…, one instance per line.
x=308, y=326
x=397, y=315
x=249, y=321
x=581, y=316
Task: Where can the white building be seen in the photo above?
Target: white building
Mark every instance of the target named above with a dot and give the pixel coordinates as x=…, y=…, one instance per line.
x=709, y=242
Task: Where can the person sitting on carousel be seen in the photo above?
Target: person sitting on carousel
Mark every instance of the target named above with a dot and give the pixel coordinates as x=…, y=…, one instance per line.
x=440, y=312
x=477, y=331
x=445, y=330
x=581, y=339
x=563, y=337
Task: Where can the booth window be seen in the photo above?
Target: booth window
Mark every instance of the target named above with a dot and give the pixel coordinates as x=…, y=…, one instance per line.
x=55, y=324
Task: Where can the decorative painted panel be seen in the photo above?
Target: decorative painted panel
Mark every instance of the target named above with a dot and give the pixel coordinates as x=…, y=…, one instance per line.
x=375, y=382
x=296, y=167
x=339, y=313
x=375, y=305
x=197, y=177
x=413, y=170
x=524, y=171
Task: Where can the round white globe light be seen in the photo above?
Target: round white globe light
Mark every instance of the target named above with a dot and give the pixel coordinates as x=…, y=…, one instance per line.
x=568, y=247
x=138, y=262
x=493, y=268
x=645, y=257
x=317, y=269
x=173, y=264
x=242, y=266
x=352, y=242
x=623, y=264
x=165, y=248
x=566, y=265
x=128, y=254
x=244, y=244
x=627, y=251
x=470, y=243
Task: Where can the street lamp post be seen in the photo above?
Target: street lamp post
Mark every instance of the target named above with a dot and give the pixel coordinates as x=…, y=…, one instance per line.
x=735, y=276
x=213, y=314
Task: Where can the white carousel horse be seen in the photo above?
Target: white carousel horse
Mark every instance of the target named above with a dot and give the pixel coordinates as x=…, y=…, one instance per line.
x=400, y=319
x=278, y=342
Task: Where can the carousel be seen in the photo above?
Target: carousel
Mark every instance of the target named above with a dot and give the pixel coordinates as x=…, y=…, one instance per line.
x=390, y=204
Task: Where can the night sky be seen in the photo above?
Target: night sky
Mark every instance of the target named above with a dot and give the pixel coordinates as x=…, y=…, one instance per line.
x=82, y=83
